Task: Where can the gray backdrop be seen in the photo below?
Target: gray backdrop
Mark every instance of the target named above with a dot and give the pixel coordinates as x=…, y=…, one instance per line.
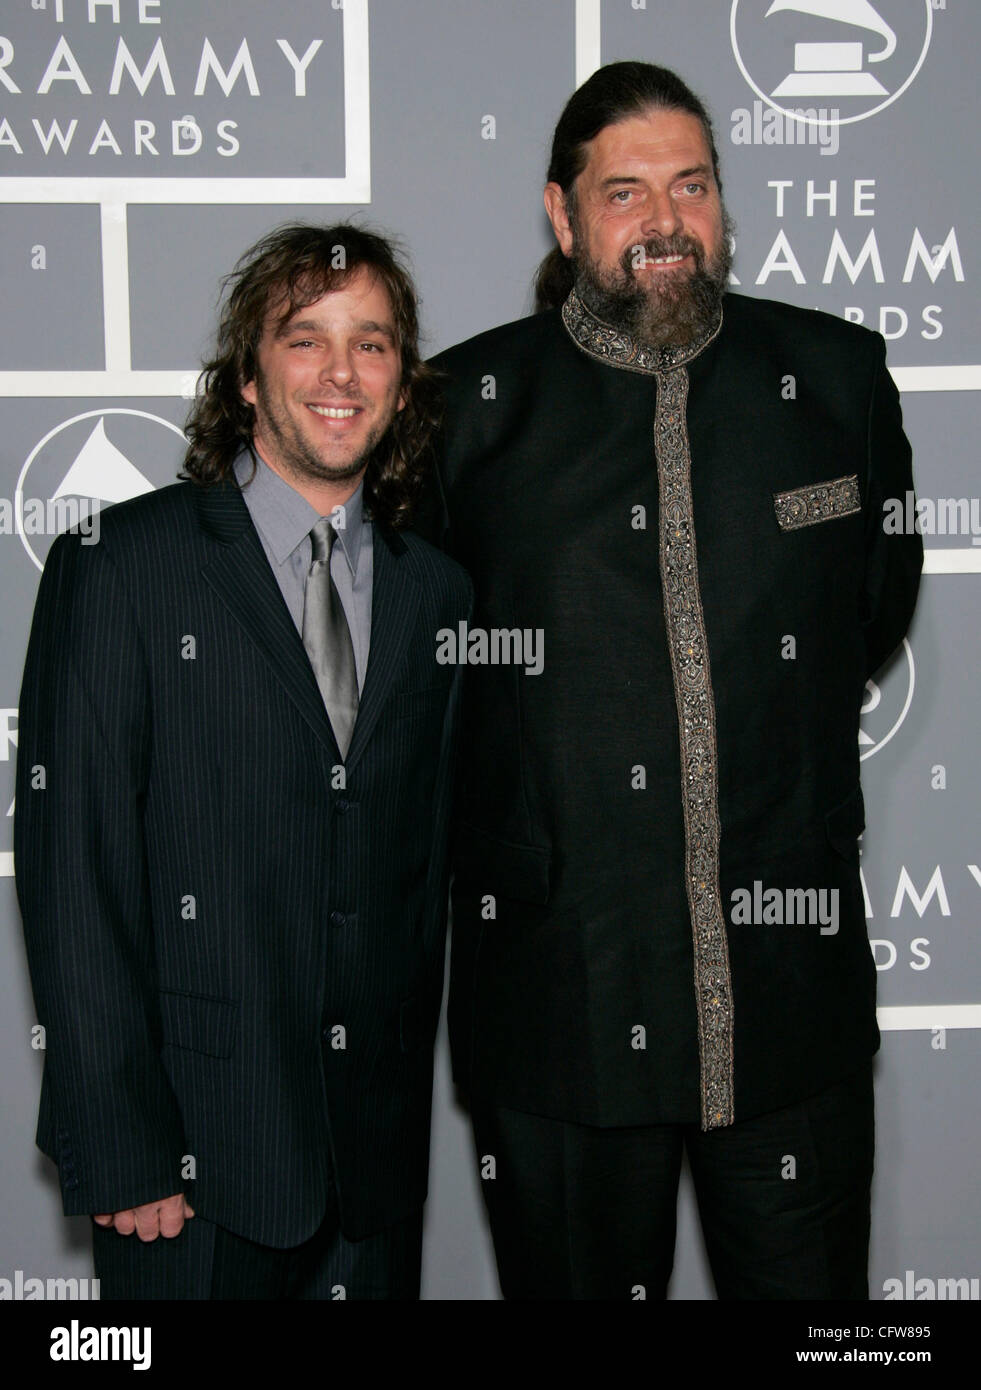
x=144, y=145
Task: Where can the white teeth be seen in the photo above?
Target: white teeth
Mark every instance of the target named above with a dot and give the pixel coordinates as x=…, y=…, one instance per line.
x=332, y=413
x=668, y=260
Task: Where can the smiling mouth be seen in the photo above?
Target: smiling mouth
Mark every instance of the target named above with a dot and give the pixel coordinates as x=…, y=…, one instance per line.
x=666, y=260
x=332, y=412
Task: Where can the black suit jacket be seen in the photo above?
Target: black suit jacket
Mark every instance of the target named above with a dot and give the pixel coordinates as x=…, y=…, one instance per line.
x=571, y=811
x=235, y=940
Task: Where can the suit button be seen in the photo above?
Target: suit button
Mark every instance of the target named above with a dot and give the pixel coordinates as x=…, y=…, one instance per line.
x=337, y=919
x=341, y=805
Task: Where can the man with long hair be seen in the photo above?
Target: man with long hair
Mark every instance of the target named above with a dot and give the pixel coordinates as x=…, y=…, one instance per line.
x=235, y=763
x=659, y=941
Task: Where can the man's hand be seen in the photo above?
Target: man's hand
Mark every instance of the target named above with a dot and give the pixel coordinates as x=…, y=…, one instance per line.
x=164, y=1218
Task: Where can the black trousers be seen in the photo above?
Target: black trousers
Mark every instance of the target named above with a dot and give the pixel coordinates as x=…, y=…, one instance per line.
x=579, y=1212
x=207, y=1262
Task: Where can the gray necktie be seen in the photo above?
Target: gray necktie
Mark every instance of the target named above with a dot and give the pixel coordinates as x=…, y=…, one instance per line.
x=327, y=638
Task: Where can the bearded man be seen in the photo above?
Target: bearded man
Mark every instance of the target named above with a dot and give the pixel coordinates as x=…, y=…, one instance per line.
x=659, y=941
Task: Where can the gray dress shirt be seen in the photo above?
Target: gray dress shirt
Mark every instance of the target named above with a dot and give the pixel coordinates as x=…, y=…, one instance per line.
x=284, y=521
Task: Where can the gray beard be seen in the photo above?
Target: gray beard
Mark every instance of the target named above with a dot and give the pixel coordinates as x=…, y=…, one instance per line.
x=674, y=313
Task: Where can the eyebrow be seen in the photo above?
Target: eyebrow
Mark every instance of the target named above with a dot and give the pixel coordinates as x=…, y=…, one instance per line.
x=316, y=326
x=701, y=169
x=370, y=326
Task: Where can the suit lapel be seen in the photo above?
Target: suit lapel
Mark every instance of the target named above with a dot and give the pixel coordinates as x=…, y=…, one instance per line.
x=394, y=604
x=241, y=576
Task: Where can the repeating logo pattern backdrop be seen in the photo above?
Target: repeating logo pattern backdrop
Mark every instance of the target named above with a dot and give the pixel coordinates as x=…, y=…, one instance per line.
x=145, y=143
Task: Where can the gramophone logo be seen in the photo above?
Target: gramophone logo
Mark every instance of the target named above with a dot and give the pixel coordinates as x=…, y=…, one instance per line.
x=885, y=705
x=87, y=462
x=858, y=55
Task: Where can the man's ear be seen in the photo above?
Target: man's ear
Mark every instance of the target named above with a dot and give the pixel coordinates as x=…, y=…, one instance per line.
x=555, y=207
x=248, y=393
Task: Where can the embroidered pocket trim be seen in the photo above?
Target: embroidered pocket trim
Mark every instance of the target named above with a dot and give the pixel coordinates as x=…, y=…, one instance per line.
x=806, y=506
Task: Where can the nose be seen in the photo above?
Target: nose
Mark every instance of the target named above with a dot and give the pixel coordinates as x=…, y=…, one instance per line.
x=338, y=367
x=662, y=214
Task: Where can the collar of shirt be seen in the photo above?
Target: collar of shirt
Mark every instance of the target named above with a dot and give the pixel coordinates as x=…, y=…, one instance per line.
x=286, y=519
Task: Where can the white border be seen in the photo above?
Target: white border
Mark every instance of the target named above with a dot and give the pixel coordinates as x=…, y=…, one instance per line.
x=92, y=385
x=589, y=25
x=963, y=378
x=908, y=1018
x=354, y=188
x=937, y=561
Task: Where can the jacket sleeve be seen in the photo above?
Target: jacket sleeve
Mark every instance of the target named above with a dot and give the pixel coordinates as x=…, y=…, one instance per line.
x=893, y=559
x=109, y=1115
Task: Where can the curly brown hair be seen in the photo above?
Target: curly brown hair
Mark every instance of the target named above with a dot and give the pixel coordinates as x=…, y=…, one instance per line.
x=297, y=264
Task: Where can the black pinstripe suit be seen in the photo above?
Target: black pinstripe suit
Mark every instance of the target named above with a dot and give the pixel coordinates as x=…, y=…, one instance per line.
x=235, y=956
